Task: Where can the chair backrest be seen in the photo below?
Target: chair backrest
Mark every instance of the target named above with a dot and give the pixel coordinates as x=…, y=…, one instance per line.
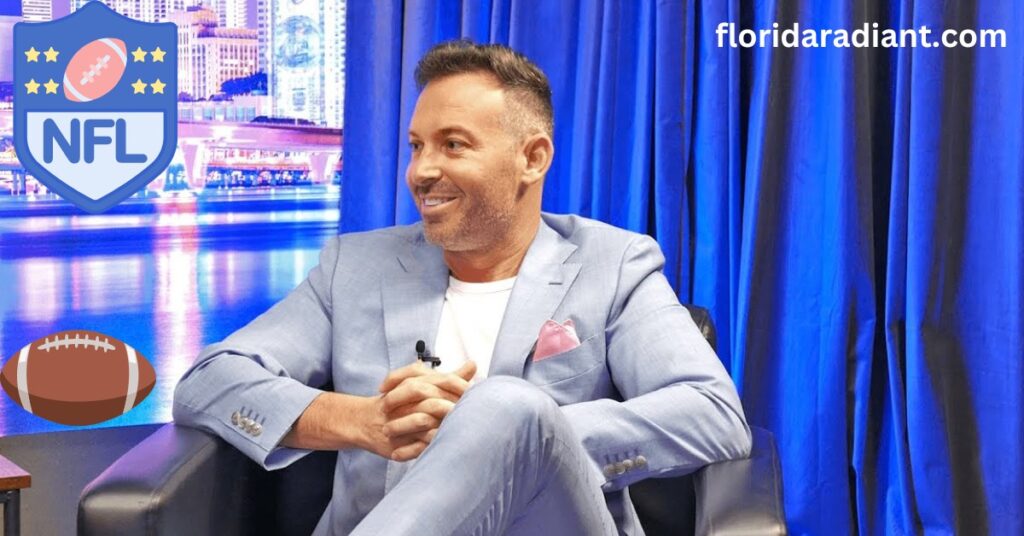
x=300, y=493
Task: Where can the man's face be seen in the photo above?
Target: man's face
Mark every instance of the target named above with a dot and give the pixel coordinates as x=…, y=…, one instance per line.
x=463, y=172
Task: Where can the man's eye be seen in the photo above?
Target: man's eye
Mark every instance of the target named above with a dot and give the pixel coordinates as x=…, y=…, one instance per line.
x=454, y=145
x=415, y=145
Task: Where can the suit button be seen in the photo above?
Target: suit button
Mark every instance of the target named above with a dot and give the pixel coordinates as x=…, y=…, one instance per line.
x=628, y=464
x=235, y=417
x=620, y=468
x=257, y=429
x=609, y=470
x=641, y=461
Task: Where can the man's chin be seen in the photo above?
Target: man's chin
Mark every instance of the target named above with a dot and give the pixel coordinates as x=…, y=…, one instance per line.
x=436, y=234
x=446, y=238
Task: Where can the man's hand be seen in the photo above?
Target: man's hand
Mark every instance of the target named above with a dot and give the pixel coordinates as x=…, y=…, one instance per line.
x=414, y=401
x=397, y=424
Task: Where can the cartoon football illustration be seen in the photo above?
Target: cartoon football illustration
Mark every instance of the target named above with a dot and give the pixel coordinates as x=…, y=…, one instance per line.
x=95, y=69
x=77, y=377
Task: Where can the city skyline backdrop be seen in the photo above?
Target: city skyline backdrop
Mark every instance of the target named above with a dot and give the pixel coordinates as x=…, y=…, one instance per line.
x=235, y=129
x=62, y=8
x=298, y=44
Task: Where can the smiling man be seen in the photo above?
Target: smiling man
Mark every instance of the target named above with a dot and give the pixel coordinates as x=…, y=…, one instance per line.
x=569, y=370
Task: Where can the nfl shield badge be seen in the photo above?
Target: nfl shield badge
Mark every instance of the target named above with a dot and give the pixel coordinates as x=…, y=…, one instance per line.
x=95, y=104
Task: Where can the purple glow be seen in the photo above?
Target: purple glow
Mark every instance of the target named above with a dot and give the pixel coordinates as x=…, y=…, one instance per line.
x=168, y=283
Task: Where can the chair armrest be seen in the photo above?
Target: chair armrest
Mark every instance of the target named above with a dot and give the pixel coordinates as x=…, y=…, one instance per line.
x=176, y=481
x=742, y=496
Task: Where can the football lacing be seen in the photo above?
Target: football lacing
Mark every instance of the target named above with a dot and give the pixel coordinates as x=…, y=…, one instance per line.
x=78, y=340
x=94, y=70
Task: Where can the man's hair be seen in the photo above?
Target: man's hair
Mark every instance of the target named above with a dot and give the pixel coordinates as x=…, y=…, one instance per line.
x=527, y=91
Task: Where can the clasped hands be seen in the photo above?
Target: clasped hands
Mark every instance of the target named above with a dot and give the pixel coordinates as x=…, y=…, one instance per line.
x=414, y=400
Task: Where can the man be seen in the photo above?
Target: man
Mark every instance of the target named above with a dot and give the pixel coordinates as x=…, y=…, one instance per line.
x=568, y=366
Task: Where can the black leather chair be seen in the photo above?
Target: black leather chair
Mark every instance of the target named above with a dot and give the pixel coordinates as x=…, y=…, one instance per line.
x=183, y=481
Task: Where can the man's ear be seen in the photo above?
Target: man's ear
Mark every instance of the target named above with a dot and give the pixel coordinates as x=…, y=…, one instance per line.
x=537, y=151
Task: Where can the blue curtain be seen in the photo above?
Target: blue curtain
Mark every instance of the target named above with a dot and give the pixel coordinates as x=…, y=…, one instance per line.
x=607, y=135
x=854, y=219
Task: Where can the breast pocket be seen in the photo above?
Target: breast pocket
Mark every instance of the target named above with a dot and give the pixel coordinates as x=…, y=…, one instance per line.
x=567, y=365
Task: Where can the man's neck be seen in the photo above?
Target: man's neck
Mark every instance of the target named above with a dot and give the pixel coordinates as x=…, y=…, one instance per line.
x=493, y=263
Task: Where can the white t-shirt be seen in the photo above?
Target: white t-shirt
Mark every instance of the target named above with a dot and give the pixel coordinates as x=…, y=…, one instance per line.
x=470, y=320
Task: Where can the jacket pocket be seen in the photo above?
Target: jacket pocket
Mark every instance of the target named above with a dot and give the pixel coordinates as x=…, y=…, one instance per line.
x=566, y=365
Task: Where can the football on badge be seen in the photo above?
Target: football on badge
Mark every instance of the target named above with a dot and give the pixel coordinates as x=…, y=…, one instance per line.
x=95, y=69
x=77, y=377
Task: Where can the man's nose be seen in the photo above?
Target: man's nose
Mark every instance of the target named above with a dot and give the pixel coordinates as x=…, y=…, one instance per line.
x=424, y=168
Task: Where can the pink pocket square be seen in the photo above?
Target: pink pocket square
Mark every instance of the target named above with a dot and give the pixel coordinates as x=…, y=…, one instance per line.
x=555, y=338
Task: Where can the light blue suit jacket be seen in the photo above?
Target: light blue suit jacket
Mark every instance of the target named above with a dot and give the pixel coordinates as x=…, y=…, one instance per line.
x=642, y=383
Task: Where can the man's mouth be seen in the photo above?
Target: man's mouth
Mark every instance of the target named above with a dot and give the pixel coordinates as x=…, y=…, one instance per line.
x=435, y=202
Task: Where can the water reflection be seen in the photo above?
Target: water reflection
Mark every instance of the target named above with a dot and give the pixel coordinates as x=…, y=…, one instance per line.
x=167, y=284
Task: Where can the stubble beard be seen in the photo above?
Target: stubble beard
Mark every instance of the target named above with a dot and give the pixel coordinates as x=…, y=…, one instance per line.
x=481, y=226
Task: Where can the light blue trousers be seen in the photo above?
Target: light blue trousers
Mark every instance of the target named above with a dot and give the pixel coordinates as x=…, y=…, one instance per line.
x=504, y=461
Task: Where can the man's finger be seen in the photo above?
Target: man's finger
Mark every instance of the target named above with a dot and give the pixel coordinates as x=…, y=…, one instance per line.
x=397, y=376
x=408, y=452
x=452, y=383
x=438, y=407
x=411, y=424
x=418, y=370
x=413, y=393
x=421, y=439
x=386, y=445
x=467, y=370
x=427, y=437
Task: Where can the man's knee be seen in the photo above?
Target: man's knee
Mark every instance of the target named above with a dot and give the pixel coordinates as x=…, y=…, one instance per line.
x=511, y=402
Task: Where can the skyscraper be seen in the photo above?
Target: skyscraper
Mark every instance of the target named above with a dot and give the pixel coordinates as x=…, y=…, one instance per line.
x=263, y=31
x=144, y=10
x=305, y=54
x=230, y=13
x=36, y=10
x=10, y=14
x=209, y=55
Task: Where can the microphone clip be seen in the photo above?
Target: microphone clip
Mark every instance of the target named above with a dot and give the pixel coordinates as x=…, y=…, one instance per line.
x=424, y=355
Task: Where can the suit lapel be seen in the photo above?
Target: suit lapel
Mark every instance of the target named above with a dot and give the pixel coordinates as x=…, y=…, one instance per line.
x=544, y=279
x=413, y=296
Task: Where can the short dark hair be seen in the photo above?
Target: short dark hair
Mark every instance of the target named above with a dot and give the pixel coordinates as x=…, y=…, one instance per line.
x=524, y=82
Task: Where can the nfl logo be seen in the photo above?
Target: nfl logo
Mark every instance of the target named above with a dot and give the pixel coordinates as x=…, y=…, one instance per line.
x=95, y=111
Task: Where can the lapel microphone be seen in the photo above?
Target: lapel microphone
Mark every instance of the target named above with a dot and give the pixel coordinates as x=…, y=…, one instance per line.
x=424, y=355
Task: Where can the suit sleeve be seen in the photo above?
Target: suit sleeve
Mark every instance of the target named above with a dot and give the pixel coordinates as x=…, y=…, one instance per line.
x=681, y=410
x=250, y=388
